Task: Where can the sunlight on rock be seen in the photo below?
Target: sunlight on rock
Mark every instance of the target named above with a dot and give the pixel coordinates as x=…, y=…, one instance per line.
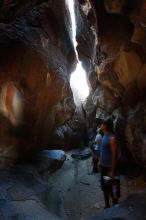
x=11, y=103
x=78, y=81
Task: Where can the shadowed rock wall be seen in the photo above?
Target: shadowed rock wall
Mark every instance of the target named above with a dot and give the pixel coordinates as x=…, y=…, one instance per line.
x=118, y=66
x=36, y=58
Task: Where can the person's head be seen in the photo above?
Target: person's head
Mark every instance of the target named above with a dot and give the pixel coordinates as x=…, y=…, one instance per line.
x=107, y=125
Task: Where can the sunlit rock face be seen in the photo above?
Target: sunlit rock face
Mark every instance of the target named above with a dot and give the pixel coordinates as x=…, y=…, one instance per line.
x=36, y=59
x=86, y=48
x=85, y=37
x=120, y=65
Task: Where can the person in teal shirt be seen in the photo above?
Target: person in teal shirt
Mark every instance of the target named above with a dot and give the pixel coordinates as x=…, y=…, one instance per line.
x=110, y=183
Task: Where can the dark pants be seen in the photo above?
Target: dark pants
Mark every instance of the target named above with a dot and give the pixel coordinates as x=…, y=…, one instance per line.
x=110, y=188
x=95, y=156
x=95, y=164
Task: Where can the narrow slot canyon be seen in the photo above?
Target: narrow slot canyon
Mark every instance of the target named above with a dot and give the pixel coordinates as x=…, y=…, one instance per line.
x=78, y=81
x=72, y=71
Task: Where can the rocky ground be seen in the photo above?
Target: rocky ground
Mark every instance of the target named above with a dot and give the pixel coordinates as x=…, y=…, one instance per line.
x=80, y=190
x=68, y=191
x=131, y=209
x=25, y=195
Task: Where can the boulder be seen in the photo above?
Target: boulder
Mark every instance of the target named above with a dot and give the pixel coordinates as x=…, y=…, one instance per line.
x=50, y=160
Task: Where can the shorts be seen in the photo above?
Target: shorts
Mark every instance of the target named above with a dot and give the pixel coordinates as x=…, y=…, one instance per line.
x=114, y=188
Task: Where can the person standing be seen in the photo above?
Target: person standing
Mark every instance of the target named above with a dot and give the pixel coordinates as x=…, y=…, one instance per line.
x=96, y=149
x=110, y=183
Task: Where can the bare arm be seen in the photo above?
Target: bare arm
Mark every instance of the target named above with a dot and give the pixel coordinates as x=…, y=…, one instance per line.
x=113, y=146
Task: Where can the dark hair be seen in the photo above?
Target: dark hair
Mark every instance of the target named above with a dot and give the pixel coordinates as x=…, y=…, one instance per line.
x=109, y=124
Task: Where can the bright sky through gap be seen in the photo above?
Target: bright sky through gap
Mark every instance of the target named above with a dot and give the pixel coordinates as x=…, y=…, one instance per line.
x=78, y=80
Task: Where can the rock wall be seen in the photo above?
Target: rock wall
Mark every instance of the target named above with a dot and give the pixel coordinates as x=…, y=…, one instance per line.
x=86, y=48
x=119, y=64
x=36, y=59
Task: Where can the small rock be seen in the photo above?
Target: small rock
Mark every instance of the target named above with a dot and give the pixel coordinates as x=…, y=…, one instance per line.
x=81, y=154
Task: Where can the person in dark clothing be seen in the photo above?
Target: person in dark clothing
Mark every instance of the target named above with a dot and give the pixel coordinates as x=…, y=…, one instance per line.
x=110, y=183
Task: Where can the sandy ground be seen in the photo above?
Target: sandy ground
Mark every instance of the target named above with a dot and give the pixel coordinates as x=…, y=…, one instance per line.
x=81, y=191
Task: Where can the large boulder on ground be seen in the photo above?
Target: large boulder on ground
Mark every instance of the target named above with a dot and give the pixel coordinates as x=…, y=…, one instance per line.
x=49, y=160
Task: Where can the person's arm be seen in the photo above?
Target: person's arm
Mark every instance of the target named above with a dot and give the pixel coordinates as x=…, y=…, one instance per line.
x=113, y=146
x=95, y=140
x=99, y=149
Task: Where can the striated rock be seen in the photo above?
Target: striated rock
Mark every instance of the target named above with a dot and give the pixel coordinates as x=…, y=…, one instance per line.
x=86, y=39
x=72, y=134
x=135, y=134
x=131, y=97
x=105, y=99
x=90, y=110
x=119, y=27
x=141, y=81
x=114, y=6
x=86, y=48
x=123, y=6
x=127, y=67
x=36, y=58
